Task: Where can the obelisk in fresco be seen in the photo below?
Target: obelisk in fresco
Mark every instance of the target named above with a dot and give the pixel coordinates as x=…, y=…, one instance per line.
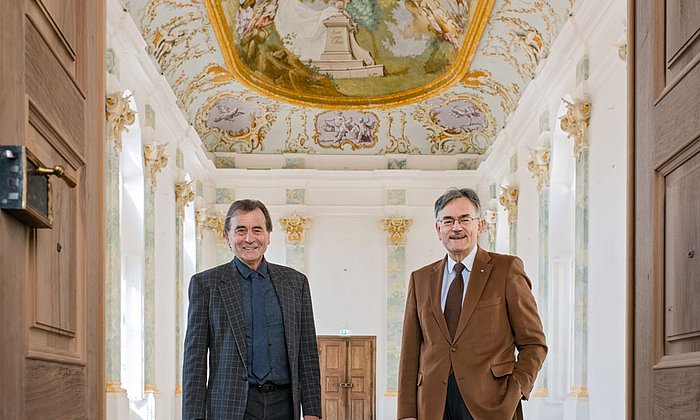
x=342, y=56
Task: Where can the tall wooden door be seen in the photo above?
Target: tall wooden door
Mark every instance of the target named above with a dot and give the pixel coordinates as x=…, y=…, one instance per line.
x=666, y=285
x=52, y=102
x=347, y=377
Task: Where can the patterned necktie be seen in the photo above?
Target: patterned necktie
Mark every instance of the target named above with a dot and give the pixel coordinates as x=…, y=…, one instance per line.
x=453, y=304
x=261, y=351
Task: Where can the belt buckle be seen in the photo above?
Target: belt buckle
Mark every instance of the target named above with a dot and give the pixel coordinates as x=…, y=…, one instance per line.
x=267, y=387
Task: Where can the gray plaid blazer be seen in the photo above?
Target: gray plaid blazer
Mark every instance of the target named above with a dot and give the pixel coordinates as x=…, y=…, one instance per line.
x=216, y=325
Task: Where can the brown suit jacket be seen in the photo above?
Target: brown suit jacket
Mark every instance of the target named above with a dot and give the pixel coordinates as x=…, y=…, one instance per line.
x=499, y=314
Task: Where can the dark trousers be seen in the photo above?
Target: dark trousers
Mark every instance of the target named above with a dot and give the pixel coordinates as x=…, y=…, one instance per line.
x=455, y=409
x=273, y=405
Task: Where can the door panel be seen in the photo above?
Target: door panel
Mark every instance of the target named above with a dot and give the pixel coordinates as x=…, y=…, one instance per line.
x=332, y=358
x=682, y=23
x=361, y=375
x=682, y=274
x=56, y=21
x=666, y=166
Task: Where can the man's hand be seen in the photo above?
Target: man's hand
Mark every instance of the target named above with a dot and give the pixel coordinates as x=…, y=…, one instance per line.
x=311, y=418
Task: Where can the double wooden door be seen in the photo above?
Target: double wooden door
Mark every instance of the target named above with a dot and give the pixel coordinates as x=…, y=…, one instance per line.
x=347, y=377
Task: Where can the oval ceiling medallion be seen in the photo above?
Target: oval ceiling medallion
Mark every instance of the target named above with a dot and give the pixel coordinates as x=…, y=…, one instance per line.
x=348, y=53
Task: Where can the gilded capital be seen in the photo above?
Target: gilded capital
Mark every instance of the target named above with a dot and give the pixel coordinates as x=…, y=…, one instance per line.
x=294, y=226
x=491, y=217
x=209, y=221
x=538, y=165
x=396, y=228
x=509, y=200
x=575, y=123
x=184, y=194
x=154, y=160
x=119, y=115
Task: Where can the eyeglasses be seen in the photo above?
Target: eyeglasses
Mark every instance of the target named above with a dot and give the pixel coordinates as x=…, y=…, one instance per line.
x=448, y=222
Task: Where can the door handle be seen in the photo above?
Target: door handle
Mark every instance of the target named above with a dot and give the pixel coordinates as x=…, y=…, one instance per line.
x=346, y=385
x=58, y=171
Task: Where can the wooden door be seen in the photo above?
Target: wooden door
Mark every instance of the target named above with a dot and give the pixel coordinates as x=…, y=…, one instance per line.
x=347, y=377
x=666, y=218
x=52, y=102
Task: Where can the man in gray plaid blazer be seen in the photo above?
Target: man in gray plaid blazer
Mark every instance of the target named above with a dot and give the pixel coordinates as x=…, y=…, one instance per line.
x=251, y=330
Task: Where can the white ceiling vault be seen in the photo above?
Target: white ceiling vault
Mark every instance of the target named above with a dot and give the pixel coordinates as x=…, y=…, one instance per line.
x=417, y=84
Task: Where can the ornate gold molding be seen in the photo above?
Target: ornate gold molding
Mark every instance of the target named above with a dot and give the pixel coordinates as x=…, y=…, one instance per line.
x=575, y=123
x=396, y=228
x=509, y=200
x=150, y=389
x=118, y=115
x=154, y=160
x=300, y=143
x=399, y=144
x=114, y=387
x=184, y=194
x=540, y=392
x=209, y=221
x=578, y=392
x=294, y=225
x=538, y=165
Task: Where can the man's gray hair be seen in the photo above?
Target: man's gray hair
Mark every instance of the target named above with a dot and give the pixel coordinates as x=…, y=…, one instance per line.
x=454, y=193
x=245, y=206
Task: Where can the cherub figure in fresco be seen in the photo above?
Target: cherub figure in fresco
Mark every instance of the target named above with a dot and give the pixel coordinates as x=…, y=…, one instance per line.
x=366, y=126
x=442, y=20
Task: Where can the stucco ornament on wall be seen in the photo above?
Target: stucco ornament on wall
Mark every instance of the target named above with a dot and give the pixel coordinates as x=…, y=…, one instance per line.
x=210, y=221
x=154, y=160
x=239, y=123
x=295, y=225
x=575, y=123
x=509, y=200
x=119, y=115
x=301, y=143
x=335, y=129
x=400, y=144
x=455, y=121
x=184, y=194
x=396, y=228
x=491, y=217
x=538, y=165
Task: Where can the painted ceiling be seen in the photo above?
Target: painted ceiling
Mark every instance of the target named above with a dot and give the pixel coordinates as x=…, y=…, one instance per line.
x=289, y=83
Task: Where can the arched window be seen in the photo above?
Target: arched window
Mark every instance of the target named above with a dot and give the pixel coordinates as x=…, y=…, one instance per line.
x=561, y=251
x=132, y=259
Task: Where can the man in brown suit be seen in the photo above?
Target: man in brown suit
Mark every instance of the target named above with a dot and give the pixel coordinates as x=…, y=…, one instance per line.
x=465, y=316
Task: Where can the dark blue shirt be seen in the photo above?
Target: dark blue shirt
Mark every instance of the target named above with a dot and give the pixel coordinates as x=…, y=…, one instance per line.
x=279, y=364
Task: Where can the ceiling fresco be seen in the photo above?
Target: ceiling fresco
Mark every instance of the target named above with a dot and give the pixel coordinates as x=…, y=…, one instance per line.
x=353, y=77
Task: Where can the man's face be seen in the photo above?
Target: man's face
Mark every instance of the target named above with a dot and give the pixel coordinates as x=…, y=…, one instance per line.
x=456, y=234
x=248, y=237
